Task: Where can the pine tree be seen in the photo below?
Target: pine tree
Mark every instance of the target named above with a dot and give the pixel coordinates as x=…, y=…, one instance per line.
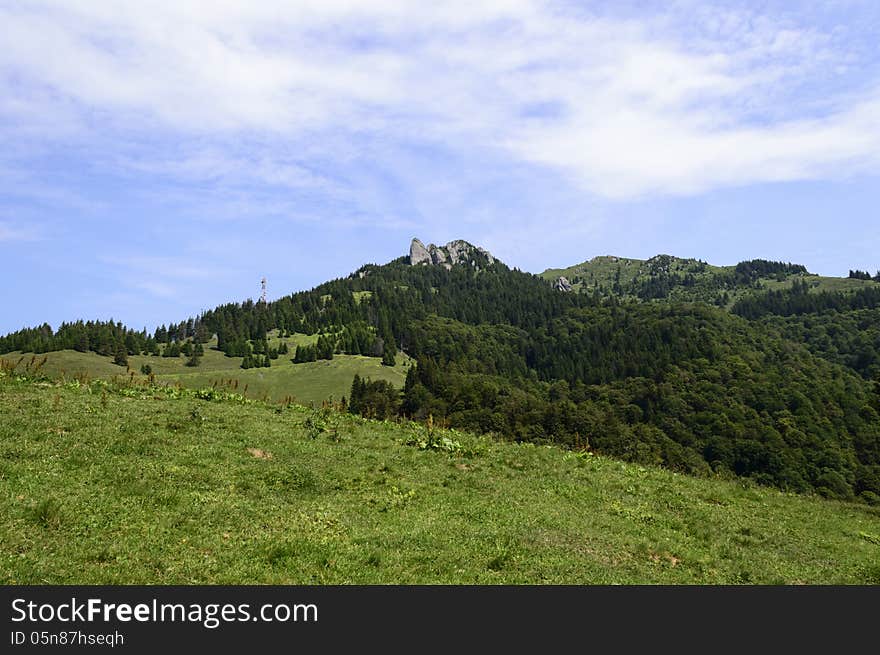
x=195, y=357
x=356, y=395
x=388, y=354
x=324, y=347
x=82, y=342
x=121, y=356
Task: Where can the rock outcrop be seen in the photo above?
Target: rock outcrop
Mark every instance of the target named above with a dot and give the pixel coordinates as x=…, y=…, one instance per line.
x=418, y=254
x=562, y=284
x=452, y=254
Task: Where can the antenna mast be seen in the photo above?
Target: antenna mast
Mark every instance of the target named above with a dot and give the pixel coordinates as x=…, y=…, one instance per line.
x=263, y=291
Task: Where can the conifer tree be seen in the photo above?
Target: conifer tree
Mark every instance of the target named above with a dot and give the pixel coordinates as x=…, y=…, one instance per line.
x=388, y=354
x=356, y=395
x=195, y=357
x=82, y=342
x=121, y=356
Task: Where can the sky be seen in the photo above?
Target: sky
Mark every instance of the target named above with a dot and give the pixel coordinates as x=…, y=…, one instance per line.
x=159, y=158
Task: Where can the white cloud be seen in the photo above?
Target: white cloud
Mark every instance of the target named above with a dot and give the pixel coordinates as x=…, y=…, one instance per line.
x=214, y=164
x=624, y=107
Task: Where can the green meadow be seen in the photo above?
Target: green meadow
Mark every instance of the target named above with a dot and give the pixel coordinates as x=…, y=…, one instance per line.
x=134, y=483
x=308, y=382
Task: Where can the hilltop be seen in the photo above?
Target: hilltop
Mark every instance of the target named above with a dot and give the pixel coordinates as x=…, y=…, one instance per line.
x=666, y=277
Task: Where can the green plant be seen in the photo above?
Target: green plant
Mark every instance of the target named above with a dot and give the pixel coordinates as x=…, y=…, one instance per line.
x=429, y=438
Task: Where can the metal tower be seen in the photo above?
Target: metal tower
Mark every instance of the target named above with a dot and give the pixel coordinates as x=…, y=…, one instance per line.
x=263, y=291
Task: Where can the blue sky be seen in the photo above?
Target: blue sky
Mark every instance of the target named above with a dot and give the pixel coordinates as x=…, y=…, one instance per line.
x=157, y=159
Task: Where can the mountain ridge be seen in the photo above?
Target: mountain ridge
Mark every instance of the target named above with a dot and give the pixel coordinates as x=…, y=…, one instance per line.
x=667, y=277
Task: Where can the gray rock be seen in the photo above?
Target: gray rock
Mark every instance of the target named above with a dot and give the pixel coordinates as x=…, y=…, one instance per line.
x=418, y=254
x=452, y=254
x=562, y=284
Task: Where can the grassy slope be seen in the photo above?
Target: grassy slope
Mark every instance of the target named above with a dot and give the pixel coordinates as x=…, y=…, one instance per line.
x=601, y=271
x=112, y=489
x=67, y=363
x=308, y=382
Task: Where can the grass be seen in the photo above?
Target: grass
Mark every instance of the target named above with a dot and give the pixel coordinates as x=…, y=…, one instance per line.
x=307, y=382
x=294, y=340
x=66, y=363
x=145, y=485
x=310, y=382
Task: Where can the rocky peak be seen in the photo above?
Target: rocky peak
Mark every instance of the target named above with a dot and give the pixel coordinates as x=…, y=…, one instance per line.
x=418, y=254
x=453, y=253
x=562, y=284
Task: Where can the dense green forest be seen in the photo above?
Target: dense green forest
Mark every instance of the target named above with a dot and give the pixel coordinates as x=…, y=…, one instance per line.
x=851, y=338
x=779, y=388
x=689, y=387
x=797, y=300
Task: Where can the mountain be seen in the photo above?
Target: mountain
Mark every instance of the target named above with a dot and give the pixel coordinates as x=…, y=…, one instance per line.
x=759, y=370
x=665, y=277
x=836, y=318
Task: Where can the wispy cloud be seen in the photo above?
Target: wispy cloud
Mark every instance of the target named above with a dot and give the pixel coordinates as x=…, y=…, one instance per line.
x=623, y=105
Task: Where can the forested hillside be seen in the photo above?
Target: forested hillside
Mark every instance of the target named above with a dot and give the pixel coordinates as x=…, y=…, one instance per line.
x=758, y=370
